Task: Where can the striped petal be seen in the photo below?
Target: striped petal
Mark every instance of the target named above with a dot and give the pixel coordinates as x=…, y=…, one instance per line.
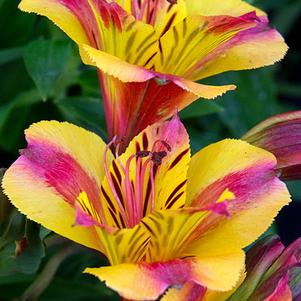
x=199, y=46
x=161, y=14
x=248, y=172
x=101, y=25
x=151, y=280
x=132, y=107
x=190, y=41
x=280, y=134
x=150, y=175
x=249, y=49
x=61, y=161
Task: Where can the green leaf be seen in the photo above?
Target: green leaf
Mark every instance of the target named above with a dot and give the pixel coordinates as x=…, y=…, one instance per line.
x=29, y=260
x=8, y=55
x=17, y=109
x=21, y=246
x=78, y=291
x=84, y=111
x=45, y=62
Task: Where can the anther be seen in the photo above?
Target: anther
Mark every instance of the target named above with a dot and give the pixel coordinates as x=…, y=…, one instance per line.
x=142, y=154
x=158, y=156
x=172, y=1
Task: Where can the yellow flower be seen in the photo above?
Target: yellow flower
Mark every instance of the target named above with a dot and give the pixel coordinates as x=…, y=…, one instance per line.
x=149, y=53
x=160, y=217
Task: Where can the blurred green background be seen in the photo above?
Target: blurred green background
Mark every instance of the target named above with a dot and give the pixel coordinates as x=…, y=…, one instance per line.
x=42, y=77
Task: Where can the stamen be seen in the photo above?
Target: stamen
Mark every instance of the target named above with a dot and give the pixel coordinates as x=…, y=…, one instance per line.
x=142, y=154
x=139, y=188
x=130, y=197
x=153, y=188
x=158, y=156
x=122, y=209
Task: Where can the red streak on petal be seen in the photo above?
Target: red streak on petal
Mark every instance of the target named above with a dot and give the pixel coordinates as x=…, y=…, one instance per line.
x=60, y=171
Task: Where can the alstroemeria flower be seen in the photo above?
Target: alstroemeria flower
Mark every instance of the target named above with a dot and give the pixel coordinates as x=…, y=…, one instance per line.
x=149, y=53
x=280, y=135
x=273, y=273
x=161, y=218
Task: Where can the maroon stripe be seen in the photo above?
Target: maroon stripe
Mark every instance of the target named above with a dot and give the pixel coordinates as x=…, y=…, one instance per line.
x=117, y=172
x=175, y=191
x=178, y=158
x=144, y=141
x=174, y=200
x=108, y=199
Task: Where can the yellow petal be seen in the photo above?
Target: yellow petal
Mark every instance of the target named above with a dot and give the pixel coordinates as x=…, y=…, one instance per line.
x=248, y=172
x=61, y=160
x=233, y=8
x=59, y=14
x=254, y=51
x=151, y=280
x=190, y=41
x=161, y=14
x=84, y=146
x=42, y=204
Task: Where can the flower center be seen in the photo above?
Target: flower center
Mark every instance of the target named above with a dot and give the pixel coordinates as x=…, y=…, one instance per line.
x=135, y=191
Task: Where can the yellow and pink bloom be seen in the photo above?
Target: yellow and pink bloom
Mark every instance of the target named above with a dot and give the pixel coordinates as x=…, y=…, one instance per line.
x=149, y=53
x=161, y=217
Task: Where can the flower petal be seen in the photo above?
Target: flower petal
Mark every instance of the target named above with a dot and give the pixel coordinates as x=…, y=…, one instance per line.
x=248, y=172
x=125, y=245
x=281, y=293
x=251, y=48
x=134, y=106
x=233, y=8
x=280, y=134
x=151, y=280
x=183, y=47
x=60, y=161
x=101, y=25
x=161, y=14
x=190, y=291
x=170, y=237
x=59, y=14
x=194, y=292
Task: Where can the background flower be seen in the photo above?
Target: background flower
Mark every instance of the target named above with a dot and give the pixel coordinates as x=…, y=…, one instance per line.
x=281, y=135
